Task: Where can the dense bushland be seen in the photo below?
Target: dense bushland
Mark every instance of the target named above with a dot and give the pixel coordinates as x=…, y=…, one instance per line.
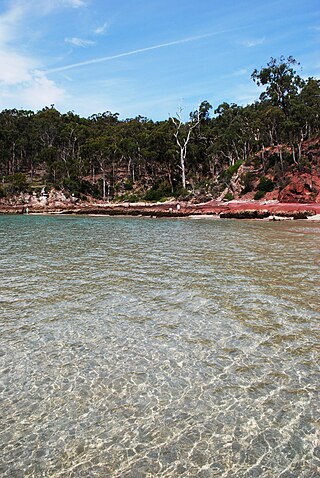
x=105, y=157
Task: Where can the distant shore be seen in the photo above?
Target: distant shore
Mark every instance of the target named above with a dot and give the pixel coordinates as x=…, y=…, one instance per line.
x=272, y=210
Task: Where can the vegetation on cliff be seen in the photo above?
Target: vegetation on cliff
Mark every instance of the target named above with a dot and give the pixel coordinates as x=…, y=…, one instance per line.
x=230, y=151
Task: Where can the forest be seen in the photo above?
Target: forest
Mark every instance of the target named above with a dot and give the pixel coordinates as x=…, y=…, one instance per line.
x=134, y=159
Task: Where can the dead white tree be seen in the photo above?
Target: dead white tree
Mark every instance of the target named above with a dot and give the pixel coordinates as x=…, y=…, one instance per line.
x=182, y=135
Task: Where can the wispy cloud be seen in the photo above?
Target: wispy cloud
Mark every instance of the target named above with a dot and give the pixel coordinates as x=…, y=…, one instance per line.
x=75, y=41
x=21, y=81
x=102, y=28
x=9, y=21
x=254, y=42
x=42, y=91
x=74, y=3
x=15, y=68
x=35, y=93
x=243, y=93
x=130, y=53
x=239, y=72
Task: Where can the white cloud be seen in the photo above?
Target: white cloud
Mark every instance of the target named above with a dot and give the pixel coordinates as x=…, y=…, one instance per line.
x=15, y=68
x=42, y=92
x=75, y=41
x=35, y=94
x=254, y=42
x=19, y=10
x=239, y=72
x=9, y=21
x=244, y=93
x=21, y=82
x=130, y=53
x=102, y=29
x=74, y=3
x=22, y=86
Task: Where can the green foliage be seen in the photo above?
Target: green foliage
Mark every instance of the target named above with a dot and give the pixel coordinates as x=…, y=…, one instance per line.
x=80, y=187
x=281, y=80
x=19, y=180
x=227, y=174
x=181, y=193
x=131, y=198
x=247, y=180
x=228, y=197
x=17, y=183
x=265, y=185
x=78, y=154
x=158, y=191
x=259, y=195
x=128, y=185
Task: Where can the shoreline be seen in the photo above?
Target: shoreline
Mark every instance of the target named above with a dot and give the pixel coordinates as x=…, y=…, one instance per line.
x=265, y=210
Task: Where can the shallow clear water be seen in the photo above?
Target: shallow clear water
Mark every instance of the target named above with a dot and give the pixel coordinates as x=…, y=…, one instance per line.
x=135, y=347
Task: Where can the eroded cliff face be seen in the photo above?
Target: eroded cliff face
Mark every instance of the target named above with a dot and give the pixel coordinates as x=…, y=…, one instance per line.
x=292, y=177
x=303, y=188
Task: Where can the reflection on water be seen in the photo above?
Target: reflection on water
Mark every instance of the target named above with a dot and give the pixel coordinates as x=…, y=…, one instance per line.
x=139, y=348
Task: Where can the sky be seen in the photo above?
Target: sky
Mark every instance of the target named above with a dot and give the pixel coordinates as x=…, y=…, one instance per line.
x=147, y=57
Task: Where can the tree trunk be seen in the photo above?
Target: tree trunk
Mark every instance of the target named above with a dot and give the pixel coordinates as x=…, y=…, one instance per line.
x=294, y=155
x=182, y=143
x=299, y=150
x=183, y=167
x=104, y=185
x=281, y=158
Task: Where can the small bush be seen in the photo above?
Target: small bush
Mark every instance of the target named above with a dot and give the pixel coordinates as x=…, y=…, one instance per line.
x=247, y=180
x=265, y=185
x=259, y=195
x=130, y=198
x=80, y=187
x=153, y=195
x=17, y=183
x=228, y=197
x=181, y=193
x=158, y=192
x=128, y=185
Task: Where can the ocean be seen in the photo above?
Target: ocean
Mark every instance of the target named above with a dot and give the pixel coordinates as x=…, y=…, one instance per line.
x=139, y=347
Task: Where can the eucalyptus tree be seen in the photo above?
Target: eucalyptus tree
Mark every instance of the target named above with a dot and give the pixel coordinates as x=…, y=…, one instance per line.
x=182, y=133
x=14, y=140
x=134, y=145
x=228, y=126
x=281, y=80
x=100, y=150
x=162, y=154
x=309, y=99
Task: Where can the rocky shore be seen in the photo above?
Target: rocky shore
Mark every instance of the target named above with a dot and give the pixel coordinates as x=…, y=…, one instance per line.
x=245, y=209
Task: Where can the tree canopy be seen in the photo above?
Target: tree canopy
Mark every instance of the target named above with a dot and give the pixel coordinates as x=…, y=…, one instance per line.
x=108, y=157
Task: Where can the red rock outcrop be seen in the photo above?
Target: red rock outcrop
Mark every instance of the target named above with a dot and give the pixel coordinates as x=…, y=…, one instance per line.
x=302, y=188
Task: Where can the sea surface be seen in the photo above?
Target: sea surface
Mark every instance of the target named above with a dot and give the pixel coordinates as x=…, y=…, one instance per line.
x=137, y=347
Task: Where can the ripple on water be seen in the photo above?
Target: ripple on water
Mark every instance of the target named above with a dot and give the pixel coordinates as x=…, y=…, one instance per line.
x=139, y=348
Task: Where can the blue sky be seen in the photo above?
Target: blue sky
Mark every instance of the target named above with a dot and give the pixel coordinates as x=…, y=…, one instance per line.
x=147, y=56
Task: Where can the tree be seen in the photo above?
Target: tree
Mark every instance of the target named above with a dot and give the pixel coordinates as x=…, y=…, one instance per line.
x=281, y=79
x=162, y=153
x=202, y=113
x=182, y=135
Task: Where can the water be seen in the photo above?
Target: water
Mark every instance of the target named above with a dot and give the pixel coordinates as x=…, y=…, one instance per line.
x=139, y=347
